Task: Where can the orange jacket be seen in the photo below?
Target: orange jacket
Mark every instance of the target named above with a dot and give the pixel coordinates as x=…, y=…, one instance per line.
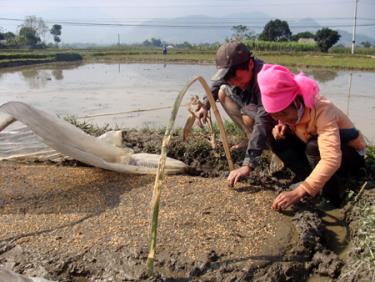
x=324, y=121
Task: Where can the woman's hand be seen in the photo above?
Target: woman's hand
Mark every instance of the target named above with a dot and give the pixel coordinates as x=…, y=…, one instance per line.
x=286, y=199
x=236, y=174
x=279, y=131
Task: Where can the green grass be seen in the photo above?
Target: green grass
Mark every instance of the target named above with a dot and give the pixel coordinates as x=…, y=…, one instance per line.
x=17, y=58
x=298, y=59
x=22, y=62
x=358, y=50
x=87, y=127
x=365, y=239
x=366, y=236
x=200, y=56
x=259, y=45
x=13, y=56
x=358, y=62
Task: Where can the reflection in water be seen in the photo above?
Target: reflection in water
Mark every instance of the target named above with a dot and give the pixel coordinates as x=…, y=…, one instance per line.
x=36, y=78
x=349, y=93
x=58, y=74
x=29, y=73
x=322, y=75
x=39, y=78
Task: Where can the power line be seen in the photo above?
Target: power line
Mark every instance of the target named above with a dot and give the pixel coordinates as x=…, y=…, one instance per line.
x=183, y=26
x=198, y=4
x=200, y=21
x=207, y=19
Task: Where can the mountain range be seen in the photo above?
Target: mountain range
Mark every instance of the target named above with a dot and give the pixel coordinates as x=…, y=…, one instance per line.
x=204, y=29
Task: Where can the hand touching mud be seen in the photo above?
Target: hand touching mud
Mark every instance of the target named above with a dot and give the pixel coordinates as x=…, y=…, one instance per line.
x=236, y=174
x=285, y=199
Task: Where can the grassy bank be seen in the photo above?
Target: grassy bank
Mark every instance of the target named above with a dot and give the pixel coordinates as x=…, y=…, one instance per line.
x=299, y=59
x=195, y=56
x=14, y=59
x=361, y=222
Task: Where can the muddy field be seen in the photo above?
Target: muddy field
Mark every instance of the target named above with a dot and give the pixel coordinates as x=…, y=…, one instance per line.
x=67, y=222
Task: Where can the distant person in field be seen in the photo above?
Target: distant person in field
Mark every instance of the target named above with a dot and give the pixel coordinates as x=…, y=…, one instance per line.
x=235, y=86
x=313, y=138
x=165, y=50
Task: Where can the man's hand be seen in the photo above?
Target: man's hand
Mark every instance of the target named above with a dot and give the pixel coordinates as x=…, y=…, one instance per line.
x=201, y=115
x=286, y=199
x=279, y=131
x=236, y=174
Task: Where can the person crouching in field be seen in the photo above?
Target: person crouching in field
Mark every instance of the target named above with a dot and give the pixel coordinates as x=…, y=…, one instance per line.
x=313, y=138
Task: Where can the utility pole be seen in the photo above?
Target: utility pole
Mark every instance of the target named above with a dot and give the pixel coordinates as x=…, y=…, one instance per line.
x=354, y=26
x=118, y=39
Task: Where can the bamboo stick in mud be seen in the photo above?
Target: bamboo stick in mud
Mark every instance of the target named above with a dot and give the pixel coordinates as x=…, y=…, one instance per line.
x=219, y=121
x=155, y=202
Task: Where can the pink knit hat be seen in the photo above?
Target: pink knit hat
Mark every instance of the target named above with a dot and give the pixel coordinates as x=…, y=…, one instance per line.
x=279, y=87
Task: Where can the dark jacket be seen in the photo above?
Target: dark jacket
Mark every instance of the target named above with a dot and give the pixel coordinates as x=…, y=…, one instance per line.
x=263, y=122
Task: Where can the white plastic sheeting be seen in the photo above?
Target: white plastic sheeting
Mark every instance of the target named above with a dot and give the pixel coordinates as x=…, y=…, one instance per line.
x=71, y=141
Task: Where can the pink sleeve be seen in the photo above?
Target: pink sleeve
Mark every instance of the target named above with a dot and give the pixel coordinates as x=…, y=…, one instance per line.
x=330, y=151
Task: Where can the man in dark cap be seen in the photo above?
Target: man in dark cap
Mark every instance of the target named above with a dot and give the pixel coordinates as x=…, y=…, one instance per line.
x=235, y=86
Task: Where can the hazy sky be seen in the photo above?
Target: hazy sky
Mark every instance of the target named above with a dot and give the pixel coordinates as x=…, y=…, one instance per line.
x=328, y=12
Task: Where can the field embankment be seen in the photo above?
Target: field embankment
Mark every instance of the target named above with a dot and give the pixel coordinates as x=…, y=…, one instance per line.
x=15, y=59
x=194, y=56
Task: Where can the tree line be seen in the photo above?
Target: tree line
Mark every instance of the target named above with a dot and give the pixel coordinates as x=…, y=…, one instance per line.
x=275, y=31
x=31, y=34
x=279, y=31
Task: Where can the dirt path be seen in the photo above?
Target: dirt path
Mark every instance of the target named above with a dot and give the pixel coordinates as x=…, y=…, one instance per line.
x=68, y=223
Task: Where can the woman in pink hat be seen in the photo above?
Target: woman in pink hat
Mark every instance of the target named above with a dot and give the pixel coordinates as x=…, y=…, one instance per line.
x=314, y=138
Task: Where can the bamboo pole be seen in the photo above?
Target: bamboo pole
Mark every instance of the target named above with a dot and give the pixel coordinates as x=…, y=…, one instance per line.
x=218, y=119
x=155, y=201
x=355, y=200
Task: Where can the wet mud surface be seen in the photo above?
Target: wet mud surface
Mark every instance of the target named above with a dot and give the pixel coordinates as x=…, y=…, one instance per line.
x=71, y=222
x=80, y=223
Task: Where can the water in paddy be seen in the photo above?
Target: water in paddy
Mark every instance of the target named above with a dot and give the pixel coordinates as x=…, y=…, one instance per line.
x=139, y=95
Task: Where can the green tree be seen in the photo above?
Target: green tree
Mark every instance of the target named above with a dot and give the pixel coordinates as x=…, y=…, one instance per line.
x=2, y=38
x=28, y=37
x=156, y=42
x=276, y=30
x=241, y=32
x=56, y=32
x=153, y=42
x=9, y=36
x=305, y=34
x=185, y=44
x=36, y=24
x=366, y=44
x=326, y=38
x=56, y=39
x=146, y=43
